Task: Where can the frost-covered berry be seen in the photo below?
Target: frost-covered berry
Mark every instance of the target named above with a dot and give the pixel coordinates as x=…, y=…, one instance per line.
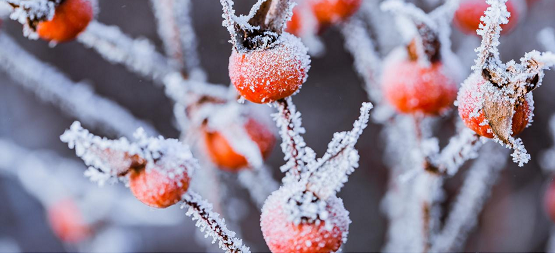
x=414, y=88
x=333, y=11
x=70, y=18
x=467, y=17
x=157, y=188
x=269, y=74
x=286, y=230
x=470, y=101
x=223, y=155
x=67, y=222
x=549, y=200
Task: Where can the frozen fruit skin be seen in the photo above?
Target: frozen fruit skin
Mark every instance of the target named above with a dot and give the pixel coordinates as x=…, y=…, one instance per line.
x=333, y=11
x=67, y=222
x=223, y=155
x=470, y=103
x=158, y=189
x=467, y=17
x=70, y=18
x=549, y=201
x=264, y=76
x=413, y=88
x=283, y=236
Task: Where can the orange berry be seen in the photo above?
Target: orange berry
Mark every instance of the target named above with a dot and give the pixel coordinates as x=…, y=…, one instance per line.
x=334, y=11
x=66, y=221
x=267, y=75
x=467, y=17
x=549, y=200
x=158, y=189
x=223, y=155
x=413, y=88
x=282, y=235
x=470, y=103
x=70, y=18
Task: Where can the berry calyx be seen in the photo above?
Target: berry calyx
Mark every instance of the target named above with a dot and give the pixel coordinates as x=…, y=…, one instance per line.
x=287, y=230
x=470, y=101
x=467, y=16
x=70, y=18
x=269, y=74
x=67, y=222
x=225, y=157
x=413, y=88
x=157, y=188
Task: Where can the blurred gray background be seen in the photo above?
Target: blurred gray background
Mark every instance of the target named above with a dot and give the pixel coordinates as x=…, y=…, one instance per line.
x=513, y=220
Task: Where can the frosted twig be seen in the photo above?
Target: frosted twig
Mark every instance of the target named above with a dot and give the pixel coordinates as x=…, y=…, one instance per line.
x=297, y=153
x=490, y=30
x=229, y=19
x=474, y=192
x=109, y=160
x=461, y=148
x=77, y=99
x=176, y=30
x=329, y=173
x=201, y=211
x=547, y=38
x=30, y=12
x=367, y=61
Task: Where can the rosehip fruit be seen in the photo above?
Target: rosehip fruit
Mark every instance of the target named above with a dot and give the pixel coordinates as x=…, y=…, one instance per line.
x=267, y=75
x=334, y=11
x=67, y=222
x=470, y=104
x=223, y=155
x=156, y=188
x=413, y=88
x=549, y=200
x=467, y=17
x=282, y=235
x=70, y=18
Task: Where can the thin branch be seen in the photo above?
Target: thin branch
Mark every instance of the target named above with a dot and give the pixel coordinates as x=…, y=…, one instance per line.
x=469, y=203
x=201, y=211
x=461, y=148
x=77, y=99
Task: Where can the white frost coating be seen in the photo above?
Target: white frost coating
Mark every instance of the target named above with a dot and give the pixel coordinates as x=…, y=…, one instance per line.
x=490, y=30
x=259, y=182
x=469, y=202
x=201, y=211
x=461, y=148
x=25, y=11
x=329, y=173
x=109, y=160
x=75, y=98
x=297, y=153
x=176, y=30
x=367, y=61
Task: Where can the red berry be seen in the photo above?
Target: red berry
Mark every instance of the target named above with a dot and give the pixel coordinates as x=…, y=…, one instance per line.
x=470, y=102
x=467, y=17
x=297, y=25
x=334, y=11
x=223, y=155
x=412, y=88
x=549, y=200
x=158, y=189
x=67, y=222
x=70, y=19
x=267, y=75
x=282, y=235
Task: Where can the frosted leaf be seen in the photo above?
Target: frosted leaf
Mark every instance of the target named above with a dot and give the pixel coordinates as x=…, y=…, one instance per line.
x=476, y=188
x=209, y=221
x=297, y=153
x=77, y=99
x=109, y=160
x=30, y=12
x=329, y=173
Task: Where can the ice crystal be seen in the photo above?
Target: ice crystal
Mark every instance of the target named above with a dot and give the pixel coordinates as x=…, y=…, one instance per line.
x=77, y=99
x=209, y=221
x=109, y=160
x=30, y=12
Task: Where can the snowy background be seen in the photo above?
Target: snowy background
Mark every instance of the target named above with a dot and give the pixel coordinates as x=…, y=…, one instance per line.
x=513, y=220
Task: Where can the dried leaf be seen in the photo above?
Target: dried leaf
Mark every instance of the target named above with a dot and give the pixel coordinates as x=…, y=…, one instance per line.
x=499, y=113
